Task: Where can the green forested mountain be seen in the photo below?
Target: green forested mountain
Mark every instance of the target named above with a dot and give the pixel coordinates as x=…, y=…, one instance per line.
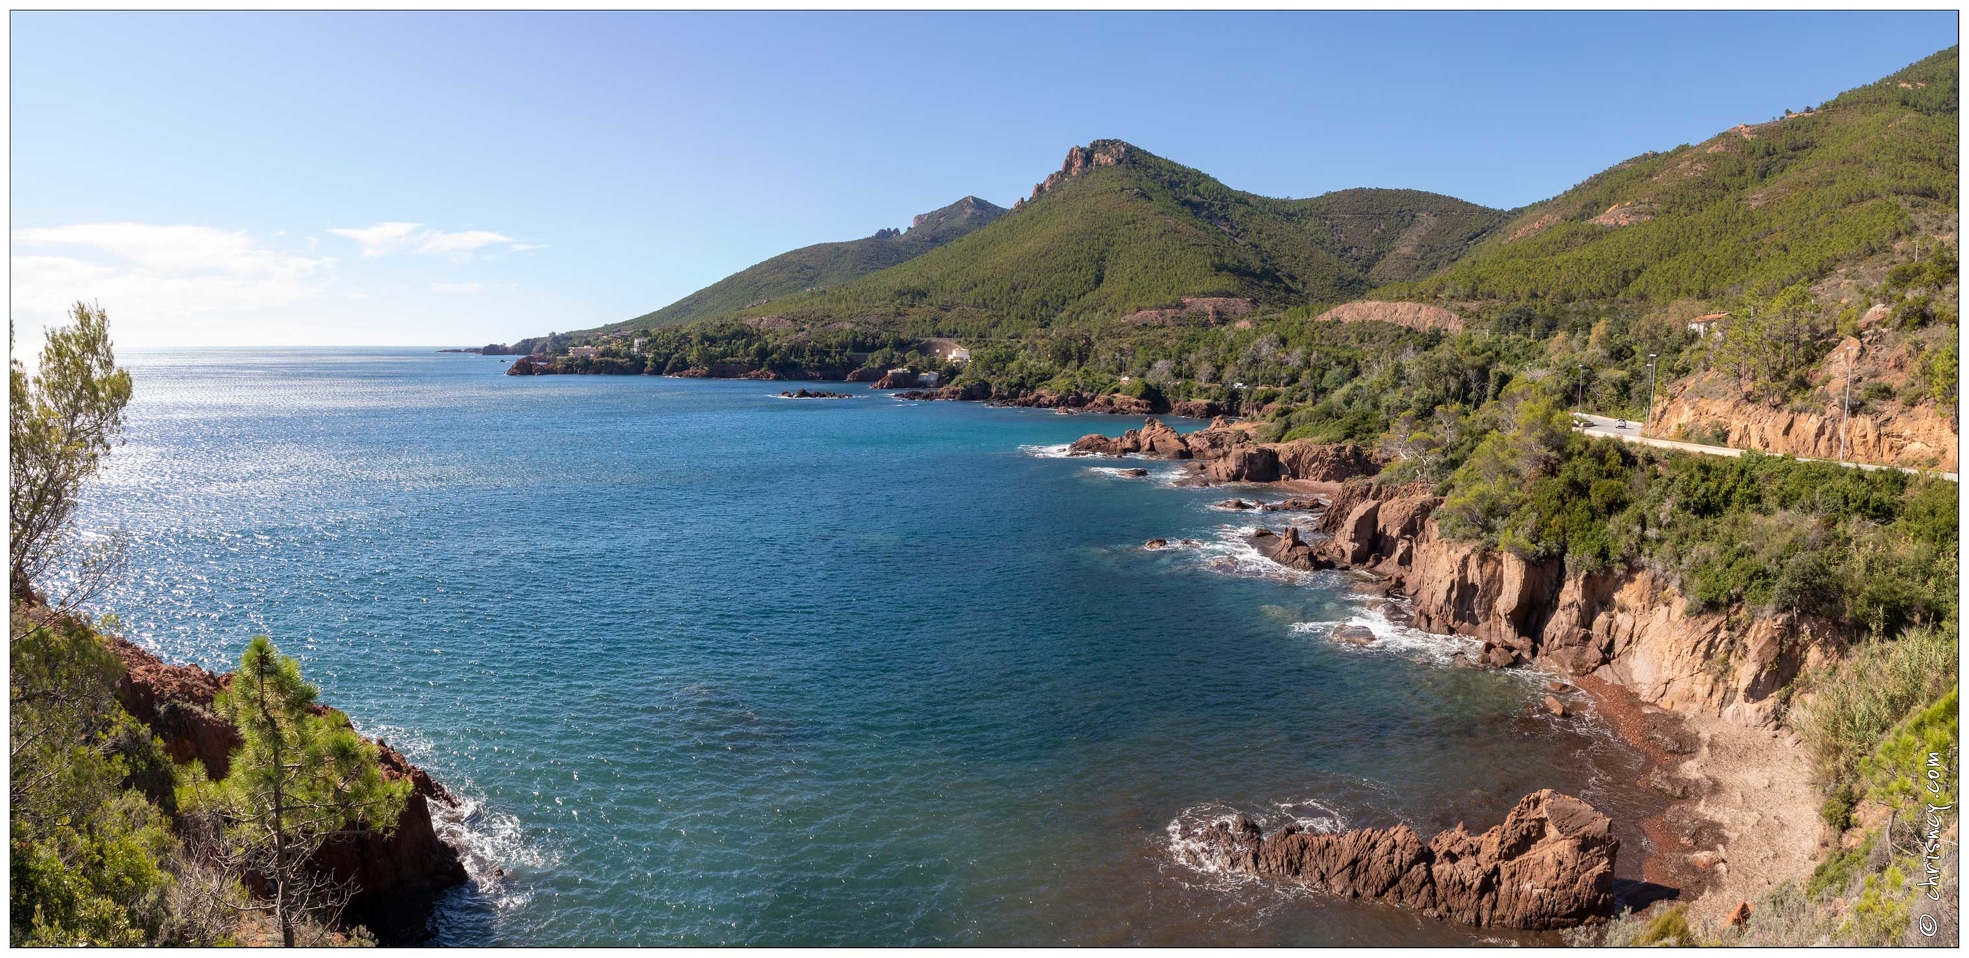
x=1752, y=209
x=1799, y=228
x=1119, y=229
x=823, y=265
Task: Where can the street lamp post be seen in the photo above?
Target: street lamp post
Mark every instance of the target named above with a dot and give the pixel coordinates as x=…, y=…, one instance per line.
x=1651, y=395
x=1846, y=407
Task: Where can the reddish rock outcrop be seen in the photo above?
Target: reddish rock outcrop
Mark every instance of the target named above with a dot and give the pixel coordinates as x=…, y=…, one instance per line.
x=1549, y=865
x=1245, y=464
x=1231, y=455
x=1115, y=404
x=1199, y=409
x=410, y=863
x=1155, y=438
x=176, y=702
x=1295, y=504
x=1322, y=462
x=865, y=375
x=1216, y=440
x=970, y=392
x=1109, y=403
x=1079, y=160
x=1923, y=435
x=898, y=379
x=1624, y=214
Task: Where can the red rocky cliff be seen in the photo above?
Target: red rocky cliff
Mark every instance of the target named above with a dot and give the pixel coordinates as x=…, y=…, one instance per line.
x=1629, y=626
x=412, y=862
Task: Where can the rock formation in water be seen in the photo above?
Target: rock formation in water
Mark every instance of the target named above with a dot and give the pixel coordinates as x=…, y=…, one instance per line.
x=1549, y=865
x=1289, y=550
x=1231, y=455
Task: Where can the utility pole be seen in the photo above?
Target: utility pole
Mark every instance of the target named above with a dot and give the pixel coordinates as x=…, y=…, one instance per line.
x=1579, y=404
x=1651, y=395
x=1846, y=409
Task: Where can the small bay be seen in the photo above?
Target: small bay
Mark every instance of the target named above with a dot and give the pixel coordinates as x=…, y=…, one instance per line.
x=718, y=667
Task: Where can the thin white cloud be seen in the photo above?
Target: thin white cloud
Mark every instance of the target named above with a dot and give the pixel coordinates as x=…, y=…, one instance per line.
x=458, y=287
x=384, y=239
x=380, y=239
x=163, y=271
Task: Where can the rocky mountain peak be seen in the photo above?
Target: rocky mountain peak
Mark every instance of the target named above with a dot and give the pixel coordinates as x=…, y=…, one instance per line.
x=969, y=212
x=1080, y=159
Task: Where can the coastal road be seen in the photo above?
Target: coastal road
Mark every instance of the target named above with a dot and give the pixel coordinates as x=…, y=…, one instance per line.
x=1631, y=432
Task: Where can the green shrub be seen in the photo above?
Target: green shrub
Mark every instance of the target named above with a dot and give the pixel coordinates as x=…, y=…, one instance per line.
x=1899, y=771
x=1855, y=705
x=1667, y=929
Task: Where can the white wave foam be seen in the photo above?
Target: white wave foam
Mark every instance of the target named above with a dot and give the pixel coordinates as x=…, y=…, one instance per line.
x=493, y=845
x=1307, y=813
x=1392, y=636
x=1231, y=554
x=1049, y=452
x=1122, y=472
x=496, y=849
x=1194, y=820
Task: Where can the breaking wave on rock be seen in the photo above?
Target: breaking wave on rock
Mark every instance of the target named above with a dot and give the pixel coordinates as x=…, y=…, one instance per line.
x=1309, y=814
x=1393, y=636
x=1231, y=554
x=493, y=845
x=1059, y=451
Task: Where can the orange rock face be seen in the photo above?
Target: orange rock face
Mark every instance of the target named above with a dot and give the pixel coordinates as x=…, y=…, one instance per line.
x=1626, y=626
x=1922, y=438
x=1549, y=865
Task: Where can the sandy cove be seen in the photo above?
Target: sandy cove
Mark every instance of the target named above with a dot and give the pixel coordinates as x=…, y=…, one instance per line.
x=1751, y=801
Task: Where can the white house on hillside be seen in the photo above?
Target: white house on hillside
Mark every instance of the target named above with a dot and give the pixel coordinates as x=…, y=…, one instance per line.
x=1705, y=325
x=582, y=352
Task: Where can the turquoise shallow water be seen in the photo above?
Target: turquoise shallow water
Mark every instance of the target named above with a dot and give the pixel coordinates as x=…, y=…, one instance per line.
x=716, y=667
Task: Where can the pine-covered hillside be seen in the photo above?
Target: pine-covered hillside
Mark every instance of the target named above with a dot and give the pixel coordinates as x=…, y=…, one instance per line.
x=1751, y=210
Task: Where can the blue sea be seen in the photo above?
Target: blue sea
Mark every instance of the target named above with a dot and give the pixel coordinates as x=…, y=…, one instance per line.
x=715, y=667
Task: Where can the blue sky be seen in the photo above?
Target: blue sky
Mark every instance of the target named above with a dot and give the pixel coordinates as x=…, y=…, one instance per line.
x=445, y=178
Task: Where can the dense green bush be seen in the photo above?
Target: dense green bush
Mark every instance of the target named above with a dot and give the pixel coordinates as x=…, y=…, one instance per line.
x=1855, y=706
